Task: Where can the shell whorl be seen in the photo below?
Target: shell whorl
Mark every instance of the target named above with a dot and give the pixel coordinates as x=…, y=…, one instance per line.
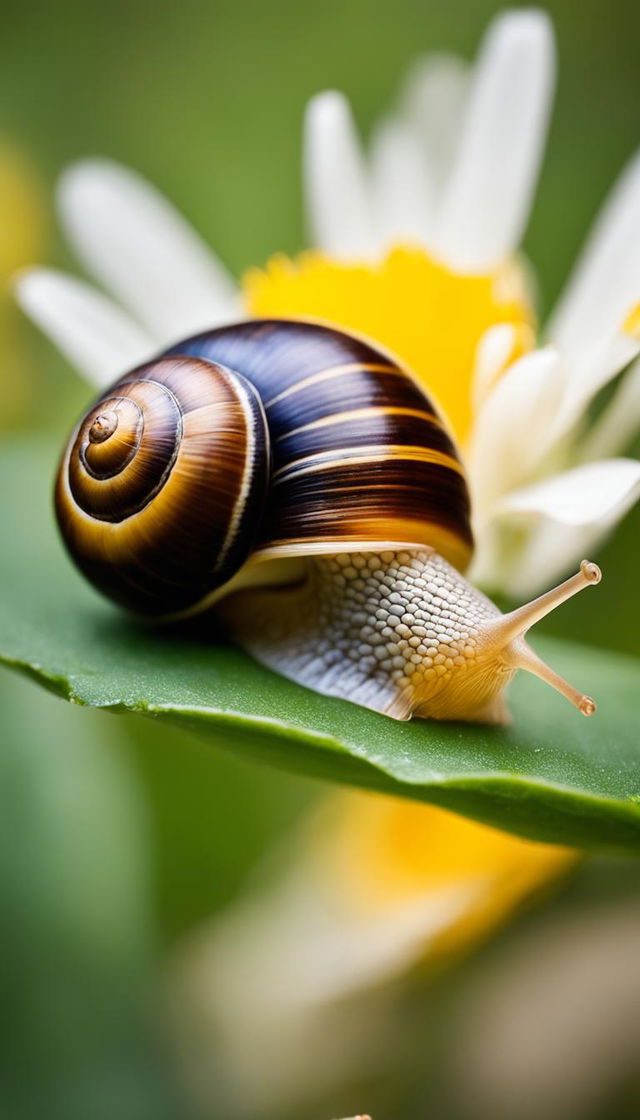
x=160, y=492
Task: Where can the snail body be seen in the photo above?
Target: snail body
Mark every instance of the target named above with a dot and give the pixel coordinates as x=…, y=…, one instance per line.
x=299, y=478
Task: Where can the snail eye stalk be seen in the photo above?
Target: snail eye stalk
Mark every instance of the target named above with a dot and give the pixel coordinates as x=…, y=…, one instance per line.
x=507, y=634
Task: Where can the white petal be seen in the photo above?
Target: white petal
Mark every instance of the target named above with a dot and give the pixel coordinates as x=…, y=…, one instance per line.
x=134, y=241
x=619, y=424
x=554, y=1020
x=269, y=985
x=411, y=151
x=493, y=352
x=513, y=427
x=487, y=199
x=575, y=512
x=553, y=551
x=402, y=193
x=604, y=286
x=337, y=191
x=582, y=385
x=582, y=495
x=432, y=105
x=95, y=335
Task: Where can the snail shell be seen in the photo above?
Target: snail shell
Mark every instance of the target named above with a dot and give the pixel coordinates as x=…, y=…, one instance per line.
x=265, y=439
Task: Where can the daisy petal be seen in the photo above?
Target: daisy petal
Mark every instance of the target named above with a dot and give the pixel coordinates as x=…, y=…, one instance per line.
x=337, y=192
x=402, y=193
x=133, y=241
x=432, y=105
x=514, y=426
x=583, y=384
x=99, y=339
x=268, y=985
x=492, y=357
x=582, y=495
x=604, y=285
x=375, y=886
x=619, y=424
x=487, y=199
x=576, y=511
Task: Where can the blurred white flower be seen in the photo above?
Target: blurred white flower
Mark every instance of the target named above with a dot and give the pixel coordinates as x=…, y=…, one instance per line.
x=416, y=246
x=286, y=996
x=552, y=1028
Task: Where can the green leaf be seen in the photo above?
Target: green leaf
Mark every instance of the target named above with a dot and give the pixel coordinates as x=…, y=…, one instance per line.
x=552, y=776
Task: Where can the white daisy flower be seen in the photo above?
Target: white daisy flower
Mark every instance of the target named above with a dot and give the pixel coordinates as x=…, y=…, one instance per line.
x=416, y=244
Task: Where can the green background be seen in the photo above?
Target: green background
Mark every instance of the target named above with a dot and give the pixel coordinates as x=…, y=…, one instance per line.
x=206, y=99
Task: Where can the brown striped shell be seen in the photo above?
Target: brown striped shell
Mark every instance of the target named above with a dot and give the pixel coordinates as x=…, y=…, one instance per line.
x=264, y=439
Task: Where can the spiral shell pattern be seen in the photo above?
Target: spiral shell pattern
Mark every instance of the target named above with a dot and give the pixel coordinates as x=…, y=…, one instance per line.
x=160, y=492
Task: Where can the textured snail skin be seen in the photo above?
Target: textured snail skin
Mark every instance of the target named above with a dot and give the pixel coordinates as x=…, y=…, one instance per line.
x=390, y=631
x=275, y=451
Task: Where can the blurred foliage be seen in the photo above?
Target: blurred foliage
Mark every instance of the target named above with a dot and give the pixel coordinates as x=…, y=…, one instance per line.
x=420, y=1059
x=212, y=817
x=206, y=98
x=78, y=959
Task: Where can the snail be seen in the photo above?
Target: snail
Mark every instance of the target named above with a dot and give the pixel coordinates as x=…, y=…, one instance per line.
x=299, y=478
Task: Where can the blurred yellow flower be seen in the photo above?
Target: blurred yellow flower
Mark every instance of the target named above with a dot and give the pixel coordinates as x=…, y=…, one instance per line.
x=382, y=853
x=22, y=235
x=21, y=206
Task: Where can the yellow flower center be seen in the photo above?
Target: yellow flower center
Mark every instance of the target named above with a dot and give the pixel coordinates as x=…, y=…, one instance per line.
x=22, y=237
x=430, y=317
